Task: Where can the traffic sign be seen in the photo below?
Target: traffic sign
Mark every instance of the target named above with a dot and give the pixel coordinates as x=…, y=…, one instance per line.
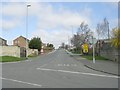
x=93, y=41
x=85, y=48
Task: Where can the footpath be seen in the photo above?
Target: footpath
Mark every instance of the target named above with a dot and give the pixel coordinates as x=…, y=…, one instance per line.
x=108, y=67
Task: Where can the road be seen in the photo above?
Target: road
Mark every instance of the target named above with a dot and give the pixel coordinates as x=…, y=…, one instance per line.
x=54, y=70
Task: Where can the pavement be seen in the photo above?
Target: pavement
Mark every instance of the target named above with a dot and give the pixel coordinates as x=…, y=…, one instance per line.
x=109, y=67
x=54, y=70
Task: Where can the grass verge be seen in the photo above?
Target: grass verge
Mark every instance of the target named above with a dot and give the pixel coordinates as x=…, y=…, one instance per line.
x=11, y=59
x=90, y=57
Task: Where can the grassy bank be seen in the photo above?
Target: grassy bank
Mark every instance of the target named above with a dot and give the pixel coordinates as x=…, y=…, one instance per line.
x=10, y=59
x=90, y=57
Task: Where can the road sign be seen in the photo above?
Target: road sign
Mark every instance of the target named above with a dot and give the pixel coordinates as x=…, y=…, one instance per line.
x=93, y=41
x=85, y=48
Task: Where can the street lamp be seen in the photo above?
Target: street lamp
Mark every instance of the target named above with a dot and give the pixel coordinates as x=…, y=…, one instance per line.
x=27, y=29
x=93, y=41
x=93, y=49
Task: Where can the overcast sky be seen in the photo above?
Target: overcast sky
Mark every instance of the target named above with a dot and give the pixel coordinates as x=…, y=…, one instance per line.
x=53, y=21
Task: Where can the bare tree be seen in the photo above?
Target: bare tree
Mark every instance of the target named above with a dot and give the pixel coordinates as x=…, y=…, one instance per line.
x=84, y=33
x=75, y=40
x=98, y=30
x=82, y=36
x=103, y=29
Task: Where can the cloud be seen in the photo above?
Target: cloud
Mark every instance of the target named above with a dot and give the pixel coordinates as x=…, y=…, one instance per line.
x=14, y=9
x=55, y=37
x=12, y=14
x=53, y=25
x=61, y=1
x=7, y=25
x=50, y=18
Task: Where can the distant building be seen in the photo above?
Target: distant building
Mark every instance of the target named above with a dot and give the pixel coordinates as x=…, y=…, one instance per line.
x=21, y=42
x=3, y=42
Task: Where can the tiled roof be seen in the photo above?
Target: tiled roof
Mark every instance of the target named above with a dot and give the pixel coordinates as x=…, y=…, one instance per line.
x=22, y=37
x=3, y=39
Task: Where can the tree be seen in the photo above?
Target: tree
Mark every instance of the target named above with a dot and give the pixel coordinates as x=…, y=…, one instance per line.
x=103, y=29
x=84, y=33
x=116, y=37
x=50, y=45
x=35, y=43
x=75, y=40
x=81, y=37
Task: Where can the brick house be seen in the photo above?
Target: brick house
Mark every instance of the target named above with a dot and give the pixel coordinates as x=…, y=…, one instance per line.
x=3, y=42
x=21, y=42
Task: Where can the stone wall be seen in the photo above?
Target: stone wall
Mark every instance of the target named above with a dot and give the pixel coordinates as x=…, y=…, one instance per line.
x=16, y=51
x=108, y=51
x=32, y=52
x=10, y=51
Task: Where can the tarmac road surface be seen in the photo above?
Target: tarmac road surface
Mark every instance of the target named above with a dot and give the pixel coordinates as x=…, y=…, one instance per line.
x=54, y=70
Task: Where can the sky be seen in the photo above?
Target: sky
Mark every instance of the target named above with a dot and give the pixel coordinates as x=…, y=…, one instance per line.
x=53, y=22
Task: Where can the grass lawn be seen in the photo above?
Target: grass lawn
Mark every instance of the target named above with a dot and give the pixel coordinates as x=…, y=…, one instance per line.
x=90, y=57
x=10, y=59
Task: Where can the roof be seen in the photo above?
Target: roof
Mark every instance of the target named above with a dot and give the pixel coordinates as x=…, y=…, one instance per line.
x=104, y=40
x=3, y=39
x=22, y=37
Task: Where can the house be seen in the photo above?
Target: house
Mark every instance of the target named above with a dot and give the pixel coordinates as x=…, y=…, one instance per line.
x=45, y=48
x=21, y=42
x=3, y=42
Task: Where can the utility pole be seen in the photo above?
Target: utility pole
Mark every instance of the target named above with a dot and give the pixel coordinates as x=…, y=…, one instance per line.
x=27, y=29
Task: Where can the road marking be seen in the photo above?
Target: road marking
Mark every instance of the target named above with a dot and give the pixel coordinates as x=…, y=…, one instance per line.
x=91, y=74
x=33, y=84
x=59, y=64
x=66, y=65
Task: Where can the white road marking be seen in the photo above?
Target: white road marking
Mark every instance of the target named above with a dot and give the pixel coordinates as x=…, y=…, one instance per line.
x=67, y=65
x=33, y=84
x=91, y=74
x=59, y=64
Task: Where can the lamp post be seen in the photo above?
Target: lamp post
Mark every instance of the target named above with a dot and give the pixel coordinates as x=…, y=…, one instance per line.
x=27, y=29
x=93, y=49
x=108, y=30
x=93, y=41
